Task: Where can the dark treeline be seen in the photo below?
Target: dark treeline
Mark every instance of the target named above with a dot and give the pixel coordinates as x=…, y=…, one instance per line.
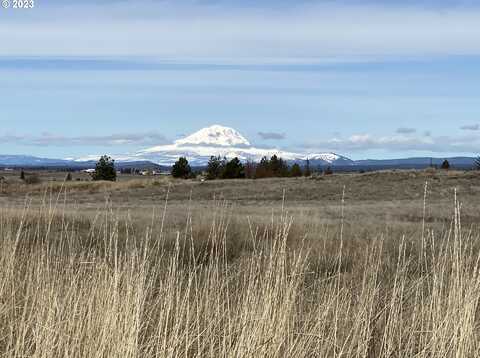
x=222, y=168
x=276, y=167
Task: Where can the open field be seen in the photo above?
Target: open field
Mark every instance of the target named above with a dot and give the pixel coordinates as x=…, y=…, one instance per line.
x=379, y=264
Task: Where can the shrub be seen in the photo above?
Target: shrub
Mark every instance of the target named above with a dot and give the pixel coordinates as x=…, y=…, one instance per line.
x=32, y=179
x=445, y=165
x=68, y=177
x=105, y=169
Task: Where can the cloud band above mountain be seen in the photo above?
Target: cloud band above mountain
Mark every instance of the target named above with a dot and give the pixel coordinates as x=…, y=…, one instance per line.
x=190, y=30
x=399, y=143
x=49, y=139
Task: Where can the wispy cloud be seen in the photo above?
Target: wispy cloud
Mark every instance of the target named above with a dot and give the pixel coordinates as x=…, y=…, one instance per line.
x=50, y=139
x=272, y=135
x=401, y=143
x=472, y=127
x=191, y=30
x=405, y=130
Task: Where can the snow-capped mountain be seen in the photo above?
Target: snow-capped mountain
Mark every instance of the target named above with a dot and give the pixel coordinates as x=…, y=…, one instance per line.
x=197, y=148
x=225, y=142
x=328, y=159
x=215, y=135
x=28, y=160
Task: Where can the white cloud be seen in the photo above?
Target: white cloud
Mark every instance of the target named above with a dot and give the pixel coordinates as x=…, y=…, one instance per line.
x=401, y=143
x=49, y=139
x=170, y=30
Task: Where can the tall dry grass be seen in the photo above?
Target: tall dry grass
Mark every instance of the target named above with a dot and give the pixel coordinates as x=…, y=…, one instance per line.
x=105, y=287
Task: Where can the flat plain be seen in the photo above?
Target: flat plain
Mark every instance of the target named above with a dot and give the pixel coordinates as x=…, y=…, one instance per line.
x=378, y=264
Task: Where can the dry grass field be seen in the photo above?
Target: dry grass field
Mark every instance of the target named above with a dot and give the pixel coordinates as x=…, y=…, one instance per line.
x=381, y=264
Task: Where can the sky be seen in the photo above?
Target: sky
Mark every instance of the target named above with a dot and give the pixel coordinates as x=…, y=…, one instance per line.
x=365, y=79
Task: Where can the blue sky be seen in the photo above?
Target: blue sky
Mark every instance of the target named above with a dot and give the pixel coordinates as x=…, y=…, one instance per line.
x=366, y=79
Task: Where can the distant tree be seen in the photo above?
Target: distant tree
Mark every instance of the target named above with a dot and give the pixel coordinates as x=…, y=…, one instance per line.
x=328, y=171
x=215, y=167
x=22, y=175
x=68, y=177
x=445, y=165
x=181, y=169
x=233, y=169
x=307, y=171
x=250, y=169
x=283, y=170
x=263, y=169
x=278, y=167
x=105, y=169
x=477, y=163
x=275, y=165
x=296, y=171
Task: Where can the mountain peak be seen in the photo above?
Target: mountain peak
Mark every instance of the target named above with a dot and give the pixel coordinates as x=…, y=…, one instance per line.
x=327, y=157
x=215, y=135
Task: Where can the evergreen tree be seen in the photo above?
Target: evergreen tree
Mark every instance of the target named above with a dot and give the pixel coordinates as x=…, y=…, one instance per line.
x=233, y=169
x=275, y=165
x=215, y=167
x=278, y=167
x=307, y=172
x=68, y=177
x=250, y=169
x=181, y=169
x=296, y=171
x=445, y=165
x=283, y=170
x=22, y=175
x=105, y=169
x=263, y=168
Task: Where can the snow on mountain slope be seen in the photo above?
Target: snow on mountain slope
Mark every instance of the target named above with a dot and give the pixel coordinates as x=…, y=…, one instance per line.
x=225, y=142
x=199, y=155
x=329, y=158
x=197, y=148
x=215, y=135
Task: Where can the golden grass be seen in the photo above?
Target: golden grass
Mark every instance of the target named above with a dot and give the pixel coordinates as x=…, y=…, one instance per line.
x=80, y=186
x=107, y=286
